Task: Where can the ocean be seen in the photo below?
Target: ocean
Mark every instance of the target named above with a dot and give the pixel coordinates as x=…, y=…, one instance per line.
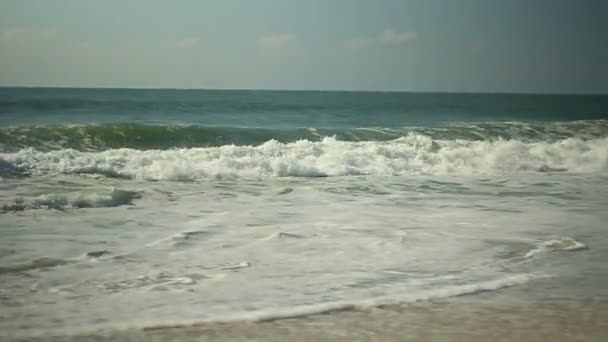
x=142, y=208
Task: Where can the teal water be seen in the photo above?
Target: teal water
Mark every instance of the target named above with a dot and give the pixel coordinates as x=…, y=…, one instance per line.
x=285, y=109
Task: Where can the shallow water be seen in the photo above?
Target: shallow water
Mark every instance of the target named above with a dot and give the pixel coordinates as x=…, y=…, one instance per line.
x=286, y=247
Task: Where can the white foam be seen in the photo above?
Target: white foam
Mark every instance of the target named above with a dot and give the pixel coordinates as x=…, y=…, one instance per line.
x=92, y=199
x=556, y=245
x=412, y=154
x=238, y=266
x=397, y=299
x=299, y=310
x=184, y=235
x=424, y=295
x=283, y=235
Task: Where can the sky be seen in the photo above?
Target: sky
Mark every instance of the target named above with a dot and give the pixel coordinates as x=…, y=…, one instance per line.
x=522, y=46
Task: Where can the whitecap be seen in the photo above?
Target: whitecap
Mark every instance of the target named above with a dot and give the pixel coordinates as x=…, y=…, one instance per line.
x=411, y=154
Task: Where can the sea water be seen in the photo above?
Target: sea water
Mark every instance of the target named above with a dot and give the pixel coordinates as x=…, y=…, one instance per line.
x=127, y=207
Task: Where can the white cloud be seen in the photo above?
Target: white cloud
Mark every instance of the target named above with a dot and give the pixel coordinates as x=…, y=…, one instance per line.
x=21, y=33
x=359, y=43
x=188, y=43
x=387, y=37
x=391, y=37
x=277, y=40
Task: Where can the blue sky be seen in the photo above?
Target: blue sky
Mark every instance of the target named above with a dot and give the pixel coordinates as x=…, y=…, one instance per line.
x=393, y=45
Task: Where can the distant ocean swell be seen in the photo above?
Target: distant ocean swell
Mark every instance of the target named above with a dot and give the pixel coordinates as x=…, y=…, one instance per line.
x=100, y=137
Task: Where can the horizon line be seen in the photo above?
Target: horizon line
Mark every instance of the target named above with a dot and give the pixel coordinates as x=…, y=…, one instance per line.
x=313, y=90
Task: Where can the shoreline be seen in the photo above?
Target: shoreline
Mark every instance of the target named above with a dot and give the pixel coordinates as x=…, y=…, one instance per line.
x=467, y=318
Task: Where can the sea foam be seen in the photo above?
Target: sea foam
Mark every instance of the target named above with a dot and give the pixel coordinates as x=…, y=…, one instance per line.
x=91, y=199
x=412, y=154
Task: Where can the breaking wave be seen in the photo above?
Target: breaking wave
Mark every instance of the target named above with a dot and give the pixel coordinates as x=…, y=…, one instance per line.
x=100, y=137
x=412, y=154
x=112, y=198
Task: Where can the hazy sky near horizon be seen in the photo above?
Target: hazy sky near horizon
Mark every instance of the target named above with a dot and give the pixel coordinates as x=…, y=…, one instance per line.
x=398, y=45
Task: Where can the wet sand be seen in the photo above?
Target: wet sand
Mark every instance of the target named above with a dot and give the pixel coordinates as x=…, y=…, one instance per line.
x=457, y=319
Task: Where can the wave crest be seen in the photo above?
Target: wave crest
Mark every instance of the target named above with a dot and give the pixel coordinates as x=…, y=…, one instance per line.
x=99, y=137
x=412, y=154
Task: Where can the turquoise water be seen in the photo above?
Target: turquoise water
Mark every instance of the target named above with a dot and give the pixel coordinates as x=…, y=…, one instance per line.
x=294, y=108
x=98, y=119
x=144, y=207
